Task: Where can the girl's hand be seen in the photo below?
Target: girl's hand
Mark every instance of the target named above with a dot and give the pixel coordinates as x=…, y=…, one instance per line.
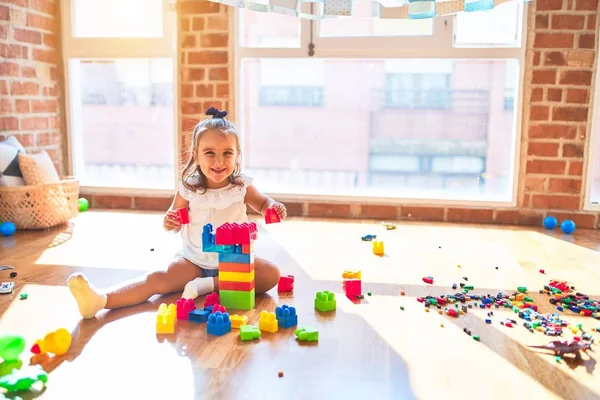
x=171, y=222
x=281, y=210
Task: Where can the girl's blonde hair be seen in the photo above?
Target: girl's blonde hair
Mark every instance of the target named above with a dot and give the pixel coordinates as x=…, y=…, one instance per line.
x=192, y=176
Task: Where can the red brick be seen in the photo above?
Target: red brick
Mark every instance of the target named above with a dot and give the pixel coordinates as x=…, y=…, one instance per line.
x=549, y=5
x=537, y=95
x=544, y=149
x=573, y=150
x=40, y=22
x=570, y=114
x=214, y=40
x=467, y=215
x=197, y=7
x=190, y=108
x=111, y=202
x=9, y=124
x=378, y=211
x=586, y=5
x=222, y=90
x=555, y=58
x=579, y=96
x=580, y=58
x=555, y=202
x=22, y=106
x=536, y=58
x=218, y=74
x=576, y=77
x=564, y=185
x=539, y=113
x=49, y=40
x=535, y=184
x=4, y=14
x=575, y=168
x=587, y=41
x=520, y=217
x=24, y=88
x=208, y=57
x=44, y=106
x=205, y=90
x=34, y=123
x=198, y=24
x=27, y=139
x=185, y=24
x=574, y=22
x=586, y=221
x=188, y=42
x=188, y=124
x=554, y=40
x=3, y=87
x=13, y=51
x=28, y=72
x=45, y=56
x=27, y=36
x=9, y=69
x=549, y=167
x=218, y=22
x=6, y=105
x=547, y=76
x=591, y=22
x=43, y=6
x=193, y=74
x=554, y=95
x=423, y=213
x=547, y=131
x=542, y=21
x=187, y=91
x=329, y=210
x=3, y=32
x=152, y=203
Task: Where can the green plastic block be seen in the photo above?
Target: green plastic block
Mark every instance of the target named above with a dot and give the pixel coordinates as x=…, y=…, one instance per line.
x=325, y=301
x=249, y=332
x=307, y=334
x=233, y=299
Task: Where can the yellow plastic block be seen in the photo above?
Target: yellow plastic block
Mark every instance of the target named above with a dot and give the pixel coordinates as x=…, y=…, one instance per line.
x=268, y=322
x=351, y=274
x=165, y=318
x=236, y=276
x=238, y=320
x=378, y=248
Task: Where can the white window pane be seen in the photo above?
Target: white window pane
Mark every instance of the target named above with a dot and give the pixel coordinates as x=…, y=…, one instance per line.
x=268, y=30
x=440, y=133
x=498, y=26
x=362, y=23
x=118, y=18
x=122, y=119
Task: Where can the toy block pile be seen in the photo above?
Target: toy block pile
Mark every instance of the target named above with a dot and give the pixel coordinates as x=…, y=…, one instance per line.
x=235, y=245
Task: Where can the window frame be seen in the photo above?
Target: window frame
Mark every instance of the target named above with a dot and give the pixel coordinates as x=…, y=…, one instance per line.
x=116, y=48
x=439, y=46
x=588, y=179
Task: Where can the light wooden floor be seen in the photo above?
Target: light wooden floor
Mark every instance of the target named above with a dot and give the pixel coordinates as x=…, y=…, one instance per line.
x=370, y=349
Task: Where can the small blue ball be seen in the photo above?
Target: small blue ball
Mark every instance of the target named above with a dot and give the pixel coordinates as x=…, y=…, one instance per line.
x=550, y=222
x=568, y=226
x=7, y=228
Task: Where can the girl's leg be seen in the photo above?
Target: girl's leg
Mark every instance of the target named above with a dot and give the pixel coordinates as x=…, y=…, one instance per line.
x=135, y=291
x=266, y=276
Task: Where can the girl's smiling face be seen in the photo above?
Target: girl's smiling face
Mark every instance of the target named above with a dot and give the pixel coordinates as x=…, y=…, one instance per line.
x=216, y=155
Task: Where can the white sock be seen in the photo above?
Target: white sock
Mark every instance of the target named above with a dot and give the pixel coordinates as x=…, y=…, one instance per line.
x=198, y=287
x=89, y=300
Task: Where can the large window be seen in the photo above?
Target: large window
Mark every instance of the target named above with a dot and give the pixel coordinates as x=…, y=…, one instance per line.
x=381, y=108
x=120, y=74
x=593, y=155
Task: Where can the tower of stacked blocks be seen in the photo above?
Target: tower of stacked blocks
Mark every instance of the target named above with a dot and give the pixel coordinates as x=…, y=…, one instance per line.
x=235, y=245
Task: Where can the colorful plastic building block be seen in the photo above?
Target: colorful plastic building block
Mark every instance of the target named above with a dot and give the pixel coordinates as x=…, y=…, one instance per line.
x=235, y=267
x=218, y=324
x=249, y=332
x=11, y=347
x=268, y=322
x=236, y=258
x=428, y=279
x=236, y=286
x=325, y=301
x=165, y=318
x=57, y=342
x=199, y=316
x=352, y=287
x=183, y=216
x=286, y=316
x=238, y=320
x=271, y=216
x=286, y=283
x=184, y=306
x=307, y=334
x=352, y=274
x=211, y=299
x=237, y=300
x=368, y=238
x=217, y=308
x=230, y=234
x=389, y=225
x=378, y=248
x=236, y=277
x=24, y=379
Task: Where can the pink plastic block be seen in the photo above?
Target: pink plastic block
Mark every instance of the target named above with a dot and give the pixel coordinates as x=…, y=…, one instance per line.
x=218, y=307
x=224, y=235
x=441, y=301
x=271, y=216
x=286, y=283
x=241, y=233
x=183, y=216
x=211, y=299
x=353, y=287
x=452, y=312
x=428, y=280
x=184, y=306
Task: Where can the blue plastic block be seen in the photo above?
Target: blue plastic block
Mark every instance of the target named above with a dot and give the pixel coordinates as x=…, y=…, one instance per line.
x=488, y=321
x=236, y=258
x=209, y=308
x=238, y=249
x=218, y=324
x=286, y=316
x=199, y=315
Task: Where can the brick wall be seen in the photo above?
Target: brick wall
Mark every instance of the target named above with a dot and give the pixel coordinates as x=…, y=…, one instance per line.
x=30, y=75
x=560, y=62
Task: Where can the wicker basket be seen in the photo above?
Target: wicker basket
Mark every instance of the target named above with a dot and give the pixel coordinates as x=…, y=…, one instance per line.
x=40, y=206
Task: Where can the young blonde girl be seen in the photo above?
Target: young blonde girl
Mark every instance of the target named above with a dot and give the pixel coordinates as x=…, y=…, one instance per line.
x=214, y=191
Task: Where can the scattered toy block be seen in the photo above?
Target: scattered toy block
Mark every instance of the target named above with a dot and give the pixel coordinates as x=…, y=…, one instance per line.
x=352, y=274
x=238, y=320
x=325, y=301
x=236, y=258
x=165, y=318
x=268, y=322
x=378, y=248
x=307, y=334
x=368, y=238
x=217, y=308
x=236, y=300
x=199, y=316
x=271, y=216
x=184, y=306
x=286, y=283
x=236, y=277
x=286, y=316
x=239, y=286
x=352, y=287
x=249, y=332
x=218, y=324
x=183, y=216
x=211, y=299
x=236, y=267
x=428, y=279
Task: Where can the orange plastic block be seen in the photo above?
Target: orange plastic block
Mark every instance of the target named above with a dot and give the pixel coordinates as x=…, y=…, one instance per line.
x=268, y=322
x=236, y=267
x=238, y=320
x=378, y=248
x=248, y=248
x=238, y=286
x=165, y=318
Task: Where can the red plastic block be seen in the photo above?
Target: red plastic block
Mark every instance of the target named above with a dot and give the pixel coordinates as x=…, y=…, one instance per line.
x=248, y=248
x=428, y=280
x=441, y=301
x=211, y=299
x=286, y=283
x=241, y=234
x=353, y=287
x=238, y=286
x=218, y=307
x=184, y=306
x=271, y=216
x=224, y=235
x=235, y=267
x=452, y=312
x=183, y=216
